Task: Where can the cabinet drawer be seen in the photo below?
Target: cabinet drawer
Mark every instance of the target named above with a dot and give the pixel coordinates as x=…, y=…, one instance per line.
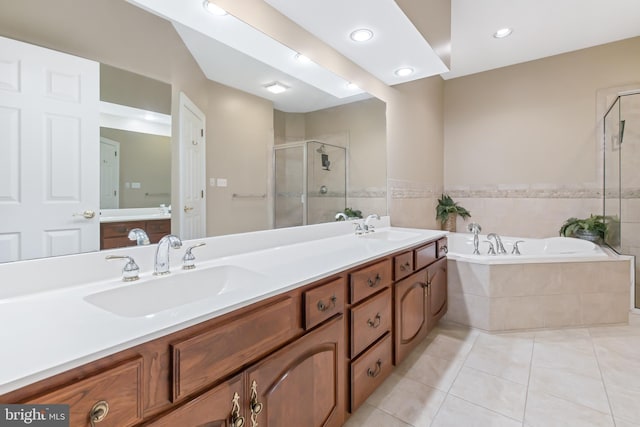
x=204, y=358
x=120, y=229
x=425, y=255
x=369, y=280
x=370, y=370
x=322, y=302
x=120, y=386
x=403, y=265
x=162, y=226
x=370, y=320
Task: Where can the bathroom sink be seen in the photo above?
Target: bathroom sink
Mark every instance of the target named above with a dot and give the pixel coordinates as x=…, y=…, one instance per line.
x=158, y=294
x=390, y=235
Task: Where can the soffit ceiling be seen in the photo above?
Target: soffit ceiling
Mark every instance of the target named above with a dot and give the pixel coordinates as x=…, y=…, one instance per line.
x=239, y=56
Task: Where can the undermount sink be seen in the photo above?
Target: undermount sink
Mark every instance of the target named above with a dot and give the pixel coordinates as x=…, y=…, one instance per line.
x=390, y=235
x=158, y=294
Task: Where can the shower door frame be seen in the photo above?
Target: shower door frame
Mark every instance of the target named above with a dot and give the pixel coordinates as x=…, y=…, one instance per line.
x=305, y=173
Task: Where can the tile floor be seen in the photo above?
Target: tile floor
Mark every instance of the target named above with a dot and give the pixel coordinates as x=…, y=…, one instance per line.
x=461, y=377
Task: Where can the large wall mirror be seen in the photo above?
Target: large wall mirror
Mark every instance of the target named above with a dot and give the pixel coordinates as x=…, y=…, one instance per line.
x=146, y=64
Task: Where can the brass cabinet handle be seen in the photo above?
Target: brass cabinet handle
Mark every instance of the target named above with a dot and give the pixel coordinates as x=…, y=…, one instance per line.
x=405, y=266
x=324, y=307
x=237, y=420
x=375, y=372
x=98, y=412
x=375, y=322
x=375, y=282
x=254, y=405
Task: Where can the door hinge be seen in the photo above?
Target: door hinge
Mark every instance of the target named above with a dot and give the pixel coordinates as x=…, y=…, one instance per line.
x=202, y=133
x=115, y=154
x=114, y=192
x=202, y=194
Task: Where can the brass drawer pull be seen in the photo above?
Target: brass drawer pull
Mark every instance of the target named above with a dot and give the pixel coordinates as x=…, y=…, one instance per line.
x=255, y=406
x=375, y=282
x=375, y=322
x=406, y=266
x=236, y=419
x=324, y=307
x=375, y=372
x=98, y=412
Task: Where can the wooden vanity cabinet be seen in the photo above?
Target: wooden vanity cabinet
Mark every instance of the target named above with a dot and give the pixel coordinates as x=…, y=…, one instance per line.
x=306, y=357
x=420, y=299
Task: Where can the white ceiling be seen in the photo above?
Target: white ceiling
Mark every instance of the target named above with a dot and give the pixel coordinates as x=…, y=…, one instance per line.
x=541, y=28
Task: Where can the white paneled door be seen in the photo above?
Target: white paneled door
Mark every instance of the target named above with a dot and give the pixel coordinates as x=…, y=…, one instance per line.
x=192, y=171
x=49, y=152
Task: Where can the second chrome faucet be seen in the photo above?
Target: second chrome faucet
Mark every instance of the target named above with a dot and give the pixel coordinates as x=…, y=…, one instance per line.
x=161, y=263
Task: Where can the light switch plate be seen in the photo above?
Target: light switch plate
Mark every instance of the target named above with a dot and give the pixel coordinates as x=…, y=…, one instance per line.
x=222, y=182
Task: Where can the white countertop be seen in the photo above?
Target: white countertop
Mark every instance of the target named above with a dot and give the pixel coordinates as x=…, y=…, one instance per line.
x=134, y=214
x=48, y=327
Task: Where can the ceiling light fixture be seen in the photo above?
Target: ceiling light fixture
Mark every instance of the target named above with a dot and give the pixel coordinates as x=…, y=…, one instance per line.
x=502, y=33
x=404, y=71
x=302, y=59
x=276, y=87
x=361, y=35
x=352, y=86
x=214, y=9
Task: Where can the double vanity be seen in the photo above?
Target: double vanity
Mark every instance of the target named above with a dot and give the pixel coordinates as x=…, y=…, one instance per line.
x=292, y=326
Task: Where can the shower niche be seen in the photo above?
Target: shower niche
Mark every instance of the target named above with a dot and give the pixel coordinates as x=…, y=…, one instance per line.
x=310, y=180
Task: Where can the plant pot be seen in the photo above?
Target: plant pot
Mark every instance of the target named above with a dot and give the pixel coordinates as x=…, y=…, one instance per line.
x=450, y=223
x=591, y=236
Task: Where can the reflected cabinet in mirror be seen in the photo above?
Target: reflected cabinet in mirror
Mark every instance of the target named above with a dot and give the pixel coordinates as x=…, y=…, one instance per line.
x=65, y=65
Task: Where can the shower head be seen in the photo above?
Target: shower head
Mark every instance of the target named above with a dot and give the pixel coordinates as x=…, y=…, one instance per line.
x=321, y=150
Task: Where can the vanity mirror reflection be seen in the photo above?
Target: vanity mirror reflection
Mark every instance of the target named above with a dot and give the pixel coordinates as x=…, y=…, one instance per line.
x=242, y=128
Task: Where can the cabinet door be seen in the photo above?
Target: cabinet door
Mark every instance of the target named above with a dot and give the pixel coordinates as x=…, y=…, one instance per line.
x=218, y=407
x=302, y=384
x=411, y=319
x=437, y=279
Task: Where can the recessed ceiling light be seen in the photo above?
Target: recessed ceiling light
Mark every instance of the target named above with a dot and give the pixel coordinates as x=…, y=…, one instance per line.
x=214, y=9
x=302, y=59
x=502, y=33
x=403, y=72
x=352, y=86
x=276, y=87
x=361, y=35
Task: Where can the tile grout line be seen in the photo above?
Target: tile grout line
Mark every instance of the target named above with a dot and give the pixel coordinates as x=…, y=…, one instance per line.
x=604, y=384
x=526, y=399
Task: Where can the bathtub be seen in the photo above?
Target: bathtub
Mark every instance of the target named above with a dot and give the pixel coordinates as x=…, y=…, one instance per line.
x=556, y=282
x=552, y=249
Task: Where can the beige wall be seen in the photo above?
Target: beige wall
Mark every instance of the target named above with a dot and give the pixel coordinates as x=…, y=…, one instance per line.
x=522, y=143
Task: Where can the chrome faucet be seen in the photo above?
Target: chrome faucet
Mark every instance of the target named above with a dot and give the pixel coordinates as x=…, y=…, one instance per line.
x=342, y=215
x=140, y=236
x=475, y=229
x=161, y=265
x=370, y=228
x=499, y=246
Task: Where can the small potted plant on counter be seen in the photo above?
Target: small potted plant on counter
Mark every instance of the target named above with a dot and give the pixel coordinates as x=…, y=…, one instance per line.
x=593, y=228
x=447, y=211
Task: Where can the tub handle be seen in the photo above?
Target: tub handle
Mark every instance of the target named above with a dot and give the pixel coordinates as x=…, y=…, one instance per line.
x=516, y=250
x=492, y=251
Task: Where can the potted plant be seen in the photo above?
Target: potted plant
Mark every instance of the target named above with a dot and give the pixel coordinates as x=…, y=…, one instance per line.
x=447, y=211
x=593, y=228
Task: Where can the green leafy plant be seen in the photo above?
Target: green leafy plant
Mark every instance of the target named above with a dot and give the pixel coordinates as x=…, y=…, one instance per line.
x=352, y=213
x=578, y=227
x=446, y=206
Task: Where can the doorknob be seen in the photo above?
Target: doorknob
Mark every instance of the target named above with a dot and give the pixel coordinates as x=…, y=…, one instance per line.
x=88, y=214
x=187, y=208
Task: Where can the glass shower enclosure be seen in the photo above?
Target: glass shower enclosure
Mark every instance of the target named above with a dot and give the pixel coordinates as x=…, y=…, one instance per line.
x=622, y=177
x=310, y=183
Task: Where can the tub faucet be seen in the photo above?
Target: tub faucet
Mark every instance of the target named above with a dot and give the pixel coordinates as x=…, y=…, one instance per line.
x=161, y=265
x=369, y=228
x=341, y=216
x=475, y=229
x=499, y=246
